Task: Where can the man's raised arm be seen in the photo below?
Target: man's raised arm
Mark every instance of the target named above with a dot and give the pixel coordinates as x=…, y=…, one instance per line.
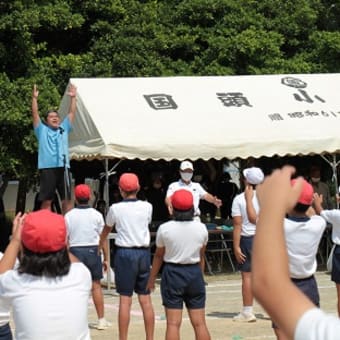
x=72, y=92
x=35, y=111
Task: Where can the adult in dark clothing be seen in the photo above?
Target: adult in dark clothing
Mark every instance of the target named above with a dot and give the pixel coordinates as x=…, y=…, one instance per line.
x=226, y=190
x=155, y=194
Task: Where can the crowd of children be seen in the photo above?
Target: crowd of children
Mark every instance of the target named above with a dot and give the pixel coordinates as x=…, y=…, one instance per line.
x=54, y=263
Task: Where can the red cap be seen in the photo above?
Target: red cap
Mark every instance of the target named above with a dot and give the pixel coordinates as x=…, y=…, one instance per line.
x=182, y=200
x=129, y=182
x=306, y=195
x=82, y=191
x=43, y=232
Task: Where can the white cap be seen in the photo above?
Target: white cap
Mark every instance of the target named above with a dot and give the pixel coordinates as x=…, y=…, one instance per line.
x=253, y=175
x=186, y=165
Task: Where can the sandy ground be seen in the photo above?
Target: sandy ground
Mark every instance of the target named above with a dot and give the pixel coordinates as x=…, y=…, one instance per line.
x=223, y=302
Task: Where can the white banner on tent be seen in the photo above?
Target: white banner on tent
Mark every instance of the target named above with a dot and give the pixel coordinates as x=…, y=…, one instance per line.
x=205, y=117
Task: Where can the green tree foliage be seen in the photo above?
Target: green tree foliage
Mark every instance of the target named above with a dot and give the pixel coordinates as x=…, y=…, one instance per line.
x=49, y=41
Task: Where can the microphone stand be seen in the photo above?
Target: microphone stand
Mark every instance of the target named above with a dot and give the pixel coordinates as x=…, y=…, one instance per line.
x=67, y=185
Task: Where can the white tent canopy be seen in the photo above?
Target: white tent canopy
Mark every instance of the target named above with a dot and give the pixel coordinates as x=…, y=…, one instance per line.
x=205, y=117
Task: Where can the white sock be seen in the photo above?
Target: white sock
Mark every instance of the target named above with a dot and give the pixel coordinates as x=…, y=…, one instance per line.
x=247, y=309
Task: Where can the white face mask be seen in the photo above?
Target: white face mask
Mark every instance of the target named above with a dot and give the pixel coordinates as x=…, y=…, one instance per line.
x=315, y=179
x=186, y=176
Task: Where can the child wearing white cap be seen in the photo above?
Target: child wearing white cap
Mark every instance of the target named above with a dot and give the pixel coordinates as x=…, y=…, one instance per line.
x=332, y=216
x=244, y=211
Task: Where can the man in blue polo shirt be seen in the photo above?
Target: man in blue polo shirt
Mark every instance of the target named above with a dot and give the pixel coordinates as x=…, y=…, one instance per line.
x=53, y=156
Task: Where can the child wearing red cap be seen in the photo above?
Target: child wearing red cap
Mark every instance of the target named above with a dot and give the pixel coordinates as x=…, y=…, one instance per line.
x=295, y=314
x=49, y=291
x=84, y=226
x=131, y=218
x=303, y=234
x=180, y=247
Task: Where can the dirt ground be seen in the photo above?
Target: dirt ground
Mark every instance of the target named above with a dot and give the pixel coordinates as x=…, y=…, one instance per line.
x=223, y=302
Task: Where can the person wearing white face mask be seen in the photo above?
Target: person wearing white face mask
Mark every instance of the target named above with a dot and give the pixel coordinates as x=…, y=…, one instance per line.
x=320, y=187
x=186, y=171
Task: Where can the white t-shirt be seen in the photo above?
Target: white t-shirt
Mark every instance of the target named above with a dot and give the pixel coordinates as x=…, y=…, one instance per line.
x=84, y=226
x=302, y=240
x=48, y=308
x=182, y=241
x=239, y=208
x=195, y=188
x=131, y=219
x=317, y=325
x=4, y=309
x=333, y=217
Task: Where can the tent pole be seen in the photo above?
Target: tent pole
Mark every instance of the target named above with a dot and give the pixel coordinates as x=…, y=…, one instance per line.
x=106, y=186
x=106, y=193
x=334, y=164
x=107, y=173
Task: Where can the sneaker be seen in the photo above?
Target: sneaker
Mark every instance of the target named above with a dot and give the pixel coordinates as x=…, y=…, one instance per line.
x=243, y=317
x=103, y=324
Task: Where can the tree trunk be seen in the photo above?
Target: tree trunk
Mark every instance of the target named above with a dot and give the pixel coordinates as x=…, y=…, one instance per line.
x=21, y=197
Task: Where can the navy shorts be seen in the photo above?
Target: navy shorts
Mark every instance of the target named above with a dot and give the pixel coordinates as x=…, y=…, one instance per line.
x=5, y=332
x=91, y=259
x=52, y=180
x=309, y=287
x=335, y=276
x=246, y=244
x=182, y=283
x=132, y=270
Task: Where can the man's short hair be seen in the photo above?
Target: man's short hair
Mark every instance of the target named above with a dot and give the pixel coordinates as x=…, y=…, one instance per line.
x=51, y=111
